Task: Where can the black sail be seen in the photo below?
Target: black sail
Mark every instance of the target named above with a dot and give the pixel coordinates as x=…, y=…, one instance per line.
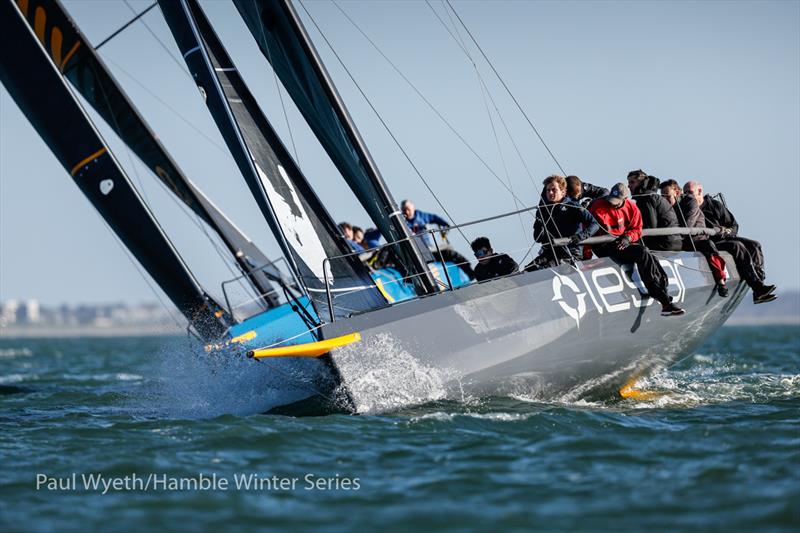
x=36, y=85
x=79, y=62
x=283, y=40
x=294, y=212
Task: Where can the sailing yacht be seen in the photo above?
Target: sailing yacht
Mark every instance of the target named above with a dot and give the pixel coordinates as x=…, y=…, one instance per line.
x=587, y=327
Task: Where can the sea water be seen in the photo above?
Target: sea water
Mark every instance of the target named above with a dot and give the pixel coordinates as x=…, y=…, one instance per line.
x=120, y=434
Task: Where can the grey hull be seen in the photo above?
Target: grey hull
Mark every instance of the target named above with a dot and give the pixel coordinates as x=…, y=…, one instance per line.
x=582, y=331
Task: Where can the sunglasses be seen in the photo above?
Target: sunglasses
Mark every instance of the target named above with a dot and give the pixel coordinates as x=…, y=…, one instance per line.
x=483, y=252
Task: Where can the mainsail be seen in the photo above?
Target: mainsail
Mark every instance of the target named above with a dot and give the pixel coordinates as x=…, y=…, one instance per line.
x=283, y=40
x=83, y=67
x=294, y=212
x=36, y=85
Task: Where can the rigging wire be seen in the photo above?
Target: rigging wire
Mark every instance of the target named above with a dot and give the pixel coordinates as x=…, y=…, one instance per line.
x=380, y=118
x=457, y=37
x=144, y=276
x=124, y=26
x=194, y=217
x=127, y=148
x=491, y=65
x=484, y=93
x=143, y=199
x=164, y=46
x=146, y=200
x=170, y=108
x=278, y=87
x=494, y=103
x=428, y=102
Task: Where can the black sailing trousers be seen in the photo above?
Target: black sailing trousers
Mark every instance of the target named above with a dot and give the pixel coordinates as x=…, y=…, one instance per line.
x=748, y=257
x=653, y=276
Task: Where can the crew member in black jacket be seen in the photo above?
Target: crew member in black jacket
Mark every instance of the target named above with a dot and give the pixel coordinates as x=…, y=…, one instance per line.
x=580, y=191
x=656, y=210
x=746, y=253
x=690, y=215
x=559, y=216
x=491, y=265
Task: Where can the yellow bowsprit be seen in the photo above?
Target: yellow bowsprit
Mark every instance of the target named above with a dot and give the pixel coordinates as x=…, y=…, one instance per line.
x=309, y=349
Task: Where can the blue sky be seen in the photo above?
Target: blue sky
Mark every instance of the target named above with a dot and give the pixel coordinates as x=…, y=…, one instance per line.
x=686, y=90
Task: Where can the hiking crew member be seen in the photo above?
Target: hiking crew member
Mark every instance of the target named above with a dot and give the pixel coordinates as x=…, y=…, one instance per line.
x=690, y=215
x=582, y=192
x=618, y=216
x=746, y=252
x=560, y=216
x=490, y=264
x=656, y=210
x=417, y=222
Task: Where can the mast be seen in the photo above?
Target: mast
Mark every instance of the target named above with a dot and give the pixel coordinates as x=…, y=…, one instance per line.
x=293, y=211
x=87, y=72
x=38, y=88
x=285, y=43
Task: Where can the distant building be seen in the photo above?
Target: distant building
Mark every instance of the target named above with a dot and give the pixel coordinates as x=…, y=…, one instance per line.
x=8, y=312
x=28, y=312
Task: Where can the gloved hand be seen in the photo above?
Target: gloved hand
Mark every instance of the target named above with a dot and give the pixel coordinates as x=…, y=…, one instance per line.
x=575, y=239
x=725, y=232
x=623, y=242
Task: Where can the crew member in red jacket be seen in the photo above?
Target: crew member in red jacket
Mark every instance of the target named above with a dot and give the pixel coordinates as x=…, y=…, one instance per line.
x=618, y=216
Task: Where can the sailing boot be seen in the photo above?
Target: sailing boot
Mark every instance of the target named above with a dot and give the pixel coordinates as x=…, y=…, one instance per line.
x=722, y=289
x=764, y=294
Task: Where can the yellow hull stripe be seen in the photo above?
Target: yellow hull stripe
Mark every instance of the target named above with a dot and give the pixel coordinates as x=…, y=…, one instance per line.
x=310, y=349
x=95, y=155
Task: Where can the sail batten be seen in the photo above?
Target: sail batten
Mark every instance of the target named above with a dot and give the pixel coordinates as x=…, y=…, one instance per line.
x=295, y=214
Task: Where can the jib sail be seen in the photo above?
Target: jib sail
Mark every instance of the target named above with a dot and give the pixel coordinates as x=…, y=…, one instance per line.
x=283, y=40
x=36, y=85
x=294, y=212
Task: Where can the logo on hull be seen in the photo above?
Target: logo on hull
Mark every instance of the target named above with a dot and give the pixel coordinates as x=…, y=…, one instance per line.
x=576, y=314
x=611, y=289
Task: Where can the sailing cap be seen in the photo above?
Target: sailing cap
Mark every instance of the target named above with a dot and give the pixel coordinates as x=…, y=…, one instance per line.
x=618, y=194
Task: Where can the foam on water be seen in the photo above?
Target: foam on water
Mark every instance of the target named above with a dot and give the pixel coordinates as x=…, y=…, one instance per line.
x=11, y=353
x=199, y=385
x=441, y=416
x=712, y=383
x=382, y=376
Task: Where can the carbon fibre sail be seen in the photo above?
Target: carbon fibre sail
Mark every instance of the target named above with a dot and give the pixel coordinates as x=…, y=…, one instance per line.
x=283, y=40
x=295, y=214
x=33, y=79
x=79, y=62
